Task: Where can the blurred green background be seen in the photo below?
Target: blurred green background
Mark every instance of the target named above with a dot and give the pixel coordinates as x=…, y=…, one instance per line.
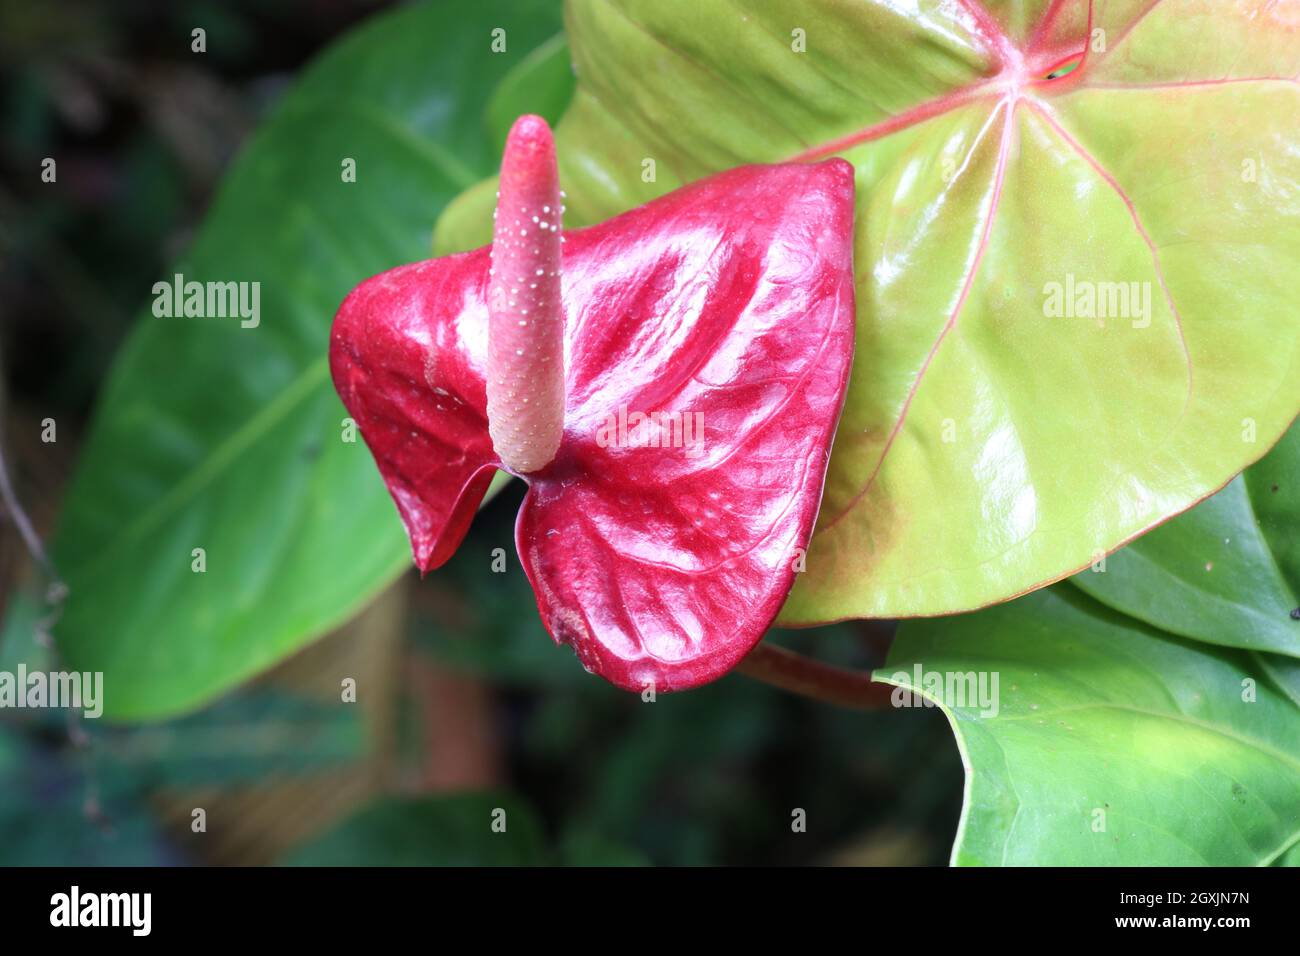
x=467, y=707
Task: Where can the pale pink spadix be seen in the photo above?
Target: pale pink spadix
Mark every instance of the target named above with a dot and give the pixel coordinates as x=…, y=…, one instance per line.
x=525, y=373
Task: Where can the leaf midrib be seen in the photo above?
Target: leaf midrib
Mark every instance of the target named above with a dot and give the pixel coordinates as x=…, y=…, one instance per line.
x=1259, y=746
x=299, y=388
x=1180, y=718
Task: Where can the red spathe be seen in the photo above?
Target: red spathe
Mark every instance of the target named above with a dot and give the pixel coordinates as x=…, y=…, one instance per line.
x=708, y=337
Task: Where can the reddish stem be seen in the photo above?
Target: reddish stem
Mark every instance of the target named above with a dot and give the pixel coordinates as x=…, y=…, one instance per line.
x=810, y=678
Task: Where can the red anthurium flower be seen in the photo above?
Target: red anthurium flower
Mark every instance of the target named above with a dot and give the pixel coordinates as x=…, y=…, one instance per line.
x=667, y=382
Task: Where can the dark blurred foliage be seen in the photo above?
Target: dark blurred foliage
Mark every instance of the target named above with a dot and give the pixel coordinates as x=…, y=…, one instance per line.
x=142, y=129
x=483, y=701
x=712, y=775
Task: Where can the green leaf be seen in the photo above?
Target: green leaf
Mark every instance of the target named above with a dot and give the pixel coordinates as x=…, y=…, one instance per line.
x=229, y=439
x=987, y=445
x=542, y=84
x=1112, y=743
x=1222, y=573
x=1228, y=571
x=431, y=831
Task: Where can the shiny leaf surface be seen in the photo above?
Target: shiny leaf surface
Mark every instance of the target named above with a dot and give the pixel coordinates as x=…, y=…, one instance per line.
x=1228, y=571
x=1075, y=292
x=1111, y=743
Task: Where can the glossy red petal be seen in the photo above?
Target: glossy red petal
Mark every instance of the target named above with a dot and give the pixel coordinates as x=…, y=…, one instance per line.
x=725, y=307
x=408, y=351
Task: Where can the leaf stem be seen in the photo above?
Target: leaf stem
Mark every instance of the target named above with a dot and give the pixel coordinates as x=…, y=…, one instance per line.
x=26, y=530
x=802, y=675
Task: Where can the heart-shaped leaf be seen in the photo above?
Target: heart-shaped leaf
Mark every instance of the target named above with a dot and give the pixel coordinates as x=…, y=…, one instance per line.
x=1075, y=280
x=227, y=439
x=1248, y=531
x=707, y=342
x=1228, y=571
x=1104, y=741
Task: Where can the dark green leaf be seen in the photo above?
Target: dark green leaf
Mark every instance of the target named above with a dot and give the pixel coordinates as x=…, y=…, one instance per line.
x=45, y=795
x=252, y=735
x=542, y=84
x=213, y=436
x=431, y=831
x=1228, y=571
x=1112, y=743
